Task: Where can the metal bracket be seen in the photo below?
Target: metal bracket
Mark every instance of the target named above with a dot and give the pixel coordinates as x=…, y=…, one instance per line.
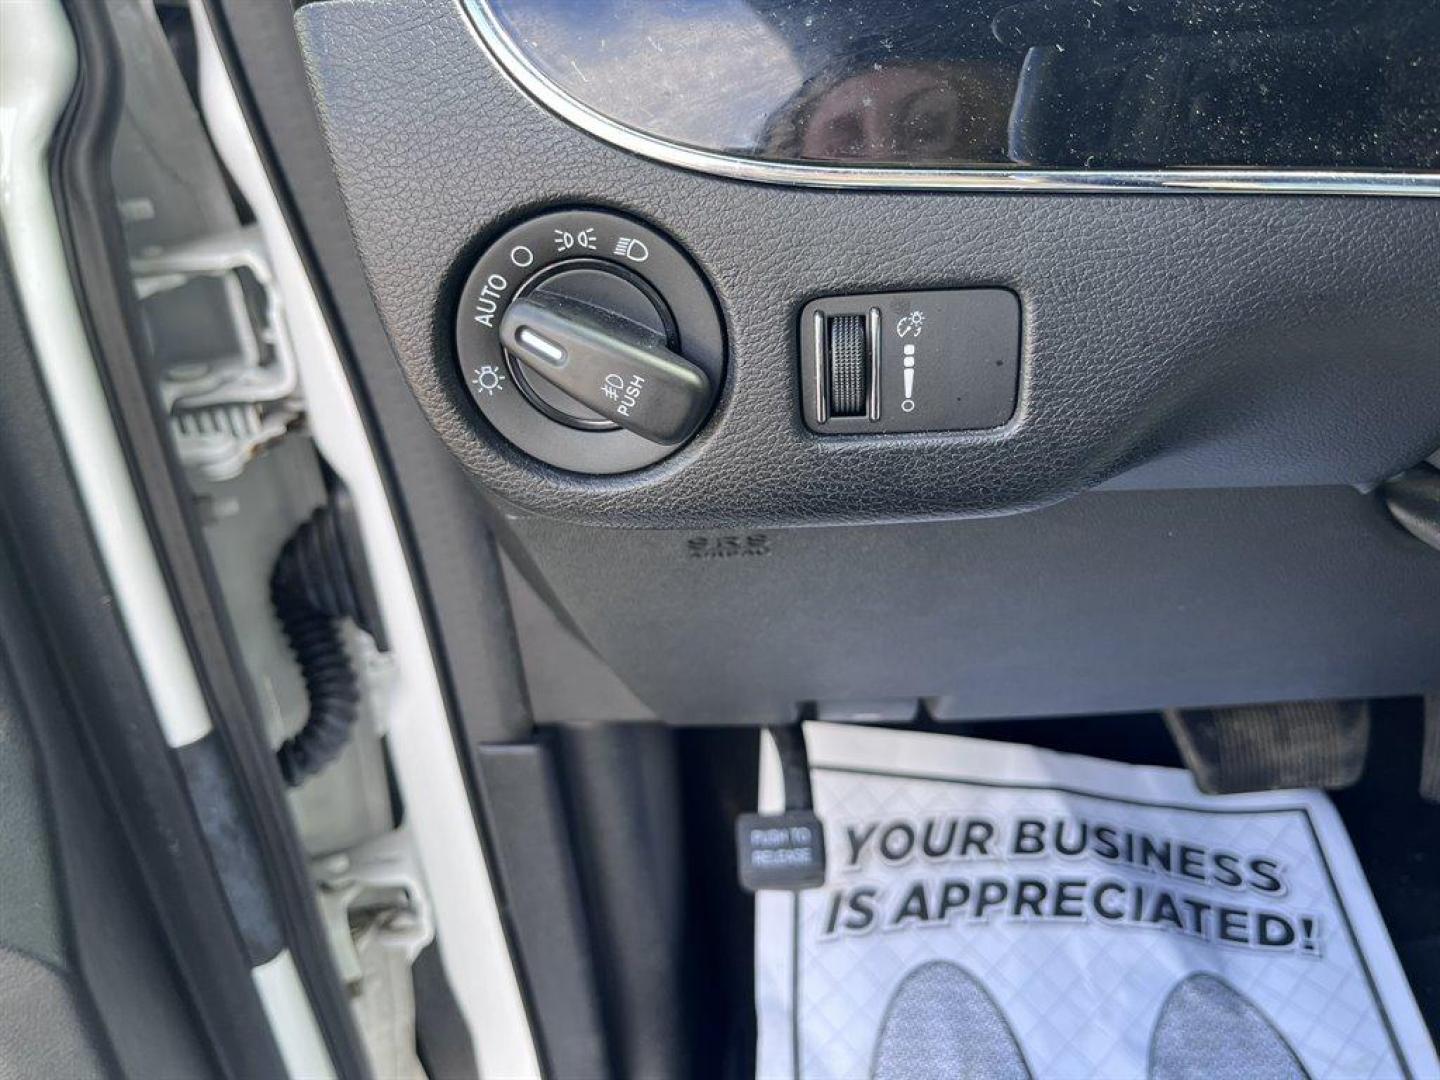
x=234, y=393
x=378, y=918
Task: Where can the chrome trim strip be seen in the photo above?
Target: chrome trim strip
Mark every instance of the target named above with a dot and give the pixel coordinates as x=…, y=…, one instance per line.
x=516, y=66
x=872, y=332
x=822, y=397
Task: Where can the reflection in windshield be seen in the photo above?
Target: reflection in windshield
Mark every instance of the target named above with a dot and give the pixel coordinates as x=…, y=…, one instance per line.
x=1058, y=83
x=897, y=114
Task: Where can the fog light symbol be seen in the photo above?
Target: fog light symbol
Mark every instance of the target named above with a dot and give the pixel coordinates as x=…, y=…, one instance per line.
x=627, y=247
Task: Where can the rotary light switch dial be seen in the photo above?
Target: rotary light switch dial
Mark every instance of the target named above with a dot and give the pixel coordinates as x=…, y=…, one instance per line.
x=590, y=341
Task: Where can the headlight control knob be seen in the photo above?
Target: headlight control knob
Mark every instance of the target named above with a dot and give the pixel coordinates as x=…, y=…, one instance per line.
x=609, y=364
x=590, y=341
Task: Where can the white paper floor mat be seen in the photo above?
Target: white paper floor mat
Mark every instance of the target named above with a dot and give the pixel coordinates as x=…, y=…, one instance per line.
x=999, y=911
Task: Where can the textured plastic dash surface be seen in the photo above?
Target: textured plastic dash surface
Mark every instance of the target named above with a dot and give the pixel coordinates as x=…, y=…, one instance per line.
x=1182, y=340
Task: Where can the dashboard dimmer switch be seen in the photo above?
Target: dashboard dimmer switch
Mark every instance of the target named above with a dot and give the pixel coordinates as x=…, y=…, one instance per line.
x=847, y=364
x=888, y=363
x=847, y=373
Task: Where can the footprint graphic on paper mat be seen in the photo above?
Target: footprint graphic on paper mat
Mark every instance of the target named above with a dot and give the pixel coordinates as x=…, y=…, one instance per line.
x=942, y=1023
x=1207, y=1028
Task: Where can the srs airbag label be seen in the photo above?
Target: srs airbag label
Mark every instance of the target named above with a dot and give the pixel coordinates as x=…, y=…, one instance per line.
x=737, y=545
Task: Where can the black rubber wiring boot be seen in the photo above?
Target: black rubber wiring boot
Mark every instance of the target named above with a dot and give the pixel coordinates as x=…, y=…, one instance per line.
x=319, y=579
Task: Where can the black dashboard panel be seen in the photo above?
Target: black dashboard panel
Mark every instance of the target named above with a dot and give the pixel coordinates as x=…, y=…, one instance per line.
x=1186, y=341
x=1052, y=83
x=1230, y=366
x=1109, y=602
